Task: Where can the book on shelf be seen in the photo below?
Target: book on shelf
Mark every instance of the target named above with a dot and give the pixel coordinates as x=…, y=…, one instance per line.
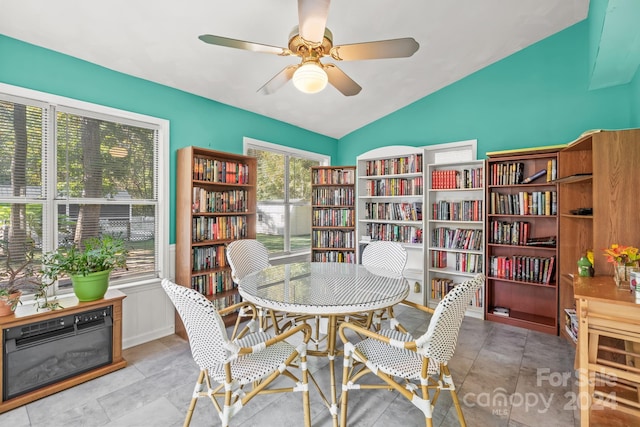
x=522, y=268
x=507, y=173
x=540, y=173
x=501, y=311
x=549, y=241
x=571, y=323
x=552, y=170
x=548, y=274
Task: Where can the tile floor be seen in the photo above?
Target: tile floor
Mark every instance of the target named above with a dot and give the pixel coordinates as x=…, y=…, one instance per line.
x=506, y=376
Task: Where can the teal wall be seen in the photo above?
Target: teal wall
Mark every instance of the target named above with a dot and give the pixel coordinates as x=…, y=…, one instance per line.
x=538, y=96
x=193, y=120
x=635, y=100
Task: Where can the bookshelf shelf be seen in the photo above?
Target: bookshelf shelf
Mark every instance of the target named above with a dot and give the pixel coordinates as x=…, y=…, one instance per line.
x=390, y=221
x=520, y=282
x=333, y=216
x=574, y=178
x=524, y=247
x=572, y=216
x=455, y=240
x=524, y=320
x=522, y=277
x=215, y=205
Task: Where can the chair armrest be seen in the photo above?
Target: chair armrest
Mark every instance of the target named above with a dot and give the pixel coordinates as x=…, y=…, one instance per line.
x=237, y=306
x=306, y=330
x=410, y=345
x=418, y=306
x=247, y=312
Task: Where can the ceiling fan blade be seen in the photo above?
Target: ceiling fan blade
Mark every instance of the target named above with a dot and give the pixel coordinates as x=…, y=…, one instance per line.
x=341, y=81
x=239, y=44
x=278, y=80
x=312, y=17
x=395, y=48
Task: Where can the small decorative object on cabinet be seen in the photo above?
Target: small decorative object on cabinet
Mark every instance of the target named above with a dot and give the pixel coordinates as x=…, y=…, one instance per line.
x=521, y=236
x=390, y=201
x=598, y=202
x=333, y=215
x=456, y=206
x=215, y=205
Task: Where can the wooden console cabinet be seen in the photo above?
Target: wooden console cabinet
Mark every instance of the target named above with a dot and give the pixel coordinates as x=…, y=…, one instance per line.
x=27, y=314
x=609, y=376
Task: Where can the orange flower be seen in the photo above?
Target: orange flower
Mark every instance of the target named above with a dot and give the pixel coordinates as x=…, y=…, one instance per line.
x=618, y=254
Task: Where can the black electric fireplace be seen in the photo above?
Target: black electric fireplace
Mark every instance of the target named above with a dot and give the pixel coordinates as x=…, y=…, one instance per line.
x=42, y=353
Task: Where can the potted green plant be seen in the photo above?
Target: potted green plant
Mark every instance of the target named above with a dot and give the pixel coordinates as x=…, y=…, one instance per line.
x=88, y=264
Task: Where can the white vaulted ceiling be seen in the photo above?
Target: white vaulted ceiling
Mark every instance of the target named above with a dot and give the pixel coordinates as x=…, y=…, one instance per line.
x=158, y=41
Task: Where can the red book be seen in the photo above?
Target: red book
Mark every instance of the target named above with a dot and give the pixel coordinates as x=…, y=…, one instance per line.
x=547, y=279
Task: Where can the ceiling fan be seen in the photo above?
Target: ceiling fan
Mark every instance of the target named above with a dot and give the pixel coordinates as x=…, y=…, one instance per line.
x=311, y=41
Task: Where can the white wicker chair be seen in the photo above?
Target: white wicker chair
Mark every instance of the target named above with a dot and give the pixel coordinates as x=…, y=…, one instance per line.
x=253, y=360
x=247, y=256
x=400, y=360
x=382, y=254
x=387, y=255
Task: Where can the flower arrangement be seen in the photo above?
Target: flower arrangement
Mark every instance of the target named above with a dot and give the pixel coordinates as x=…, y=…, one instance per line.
x=622, y=255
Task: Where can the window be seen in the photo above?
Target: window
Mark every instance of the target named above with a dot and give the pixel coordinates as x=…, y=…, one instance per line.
x=284, y=195
x=71, y=170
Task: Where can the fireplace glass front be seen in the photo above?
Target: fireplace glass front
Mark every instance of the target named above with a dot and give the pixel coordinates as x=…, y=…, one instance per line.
x=43, y=353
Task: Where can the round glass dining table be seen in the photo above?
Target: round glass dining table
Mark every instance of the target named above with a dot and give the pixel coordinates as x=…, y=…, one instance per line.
x=323, y=289
x=329, y=291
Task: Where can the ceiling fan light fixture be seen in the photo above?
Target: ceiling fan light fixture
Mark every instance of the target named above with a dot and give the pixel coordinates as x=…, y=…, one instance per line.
x=310, y=78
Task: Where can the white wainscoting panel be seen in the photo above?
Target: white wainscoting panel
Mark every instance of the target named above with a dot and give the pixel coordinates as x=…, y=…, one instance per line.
x=147, y=312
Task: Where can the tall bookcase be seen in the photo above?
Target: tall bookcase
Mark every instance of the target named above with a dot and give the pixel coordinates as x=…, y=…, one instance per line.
x=521, y=235
x=390, y=200
x=597, y=171
x=333, y=214
x=455, y=240
x=215, y=205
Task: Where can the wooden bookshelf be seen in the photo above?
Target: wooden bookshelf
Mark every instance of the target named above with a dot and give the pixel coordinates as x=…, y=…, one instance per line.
x=596, y=171
x=521, y=272
x=333, y=215
x=215, y=205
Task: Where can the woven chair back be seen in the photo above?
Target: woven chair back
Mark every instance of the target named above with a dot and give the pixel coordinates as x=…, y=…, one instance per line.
x=205, y=328
x=387, y=255
x=439, y=342
x=246, y=256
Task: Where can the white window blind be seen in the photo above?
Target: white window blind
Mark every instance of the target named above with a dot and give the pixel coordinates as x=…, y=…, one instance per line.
x=94, y=174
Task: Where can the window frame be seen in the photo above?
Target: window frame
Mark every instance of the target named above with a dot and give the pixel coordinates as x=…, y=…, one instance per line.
x=323, y=159
x=52, y=103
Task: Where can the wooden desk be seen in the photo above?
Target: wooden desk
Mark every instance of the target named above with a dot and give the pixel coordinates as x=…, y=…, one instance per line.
x=26, y=314
x=609, y=376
